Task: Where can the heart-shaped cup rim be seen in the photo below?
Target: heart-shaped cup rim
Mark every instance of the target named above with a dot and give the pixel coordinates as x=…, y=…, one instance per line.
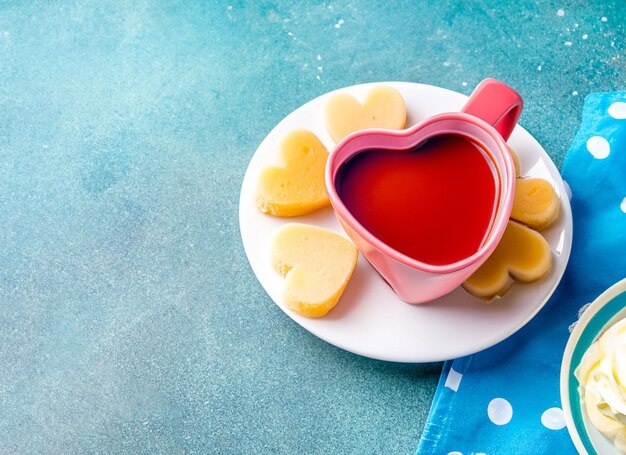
x=467, y=125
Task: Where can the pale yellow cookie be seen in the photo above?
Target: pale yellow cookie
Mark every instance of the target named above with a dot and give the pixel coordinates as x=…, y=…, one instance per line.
x=295, y=186
x=316, y=264
x=383, y=108
x=522, y=254
x=535, y=203
x=518, y=169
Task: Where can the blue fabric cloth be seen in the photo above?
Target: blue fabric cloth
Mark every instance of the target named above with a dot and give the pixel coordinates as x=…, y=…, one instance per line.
x=522, y=373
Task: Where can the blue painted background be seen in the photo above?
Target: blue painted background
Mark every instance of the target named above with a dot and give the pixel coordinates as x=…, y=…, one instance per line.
x=130, y=321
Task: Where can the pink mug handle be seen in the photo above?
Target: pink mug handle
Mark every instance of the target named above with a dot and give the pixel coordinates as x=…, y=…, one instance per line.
x=497, y=104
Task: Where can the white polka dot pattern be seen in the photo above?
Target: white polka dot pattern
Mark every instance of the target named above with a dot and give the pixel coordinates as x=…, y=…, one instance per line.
x=618, y=110
x=500, y=411
x=599, y=147
x=553, y=419
x=453, y=380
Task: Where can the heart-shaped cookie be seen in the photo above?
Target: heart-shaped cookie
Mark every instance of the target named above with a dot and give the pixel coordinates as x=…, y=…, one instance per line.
x=522, y=254
x=383, y=108
x=535, y=203
x=316, y=264
x=296, y=185
x=518, y=169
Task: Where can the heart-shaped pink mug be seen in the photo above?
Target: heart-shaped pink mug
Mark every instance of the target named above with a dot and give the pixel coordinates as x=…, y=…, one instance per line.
x=487, y=119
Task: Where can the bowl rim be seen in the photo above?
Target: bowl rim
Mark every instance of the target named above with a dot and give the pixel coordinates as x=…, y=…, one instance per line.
x=596, y=318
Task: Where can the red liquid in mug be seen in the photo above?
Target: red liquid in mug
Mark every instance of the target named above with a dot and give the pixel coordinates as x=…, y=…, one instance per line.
x=433, y=203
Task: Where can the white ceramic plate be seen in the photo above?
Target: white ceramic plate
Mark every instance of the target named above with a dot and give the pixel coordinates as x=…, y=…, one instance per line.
x=605, y=311
x=370, y=319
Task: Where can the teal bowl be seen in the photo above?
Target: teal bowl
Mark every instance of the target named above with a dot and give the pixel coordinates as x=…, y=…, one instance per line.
x=606, y=310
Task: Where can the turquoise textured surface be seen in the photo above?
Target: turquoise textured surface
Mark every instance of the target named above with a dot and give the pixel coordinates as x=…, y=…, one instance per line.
x=130, y=321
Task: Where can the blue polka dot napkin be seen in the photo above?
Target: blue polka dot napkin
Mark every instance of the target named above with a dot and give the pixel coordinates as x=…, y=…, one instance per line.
x=505, y=400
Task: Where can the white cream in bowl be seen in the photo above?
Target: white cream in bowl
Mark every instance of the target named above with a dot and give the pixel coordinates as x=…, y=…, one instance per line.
x=602, y=378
